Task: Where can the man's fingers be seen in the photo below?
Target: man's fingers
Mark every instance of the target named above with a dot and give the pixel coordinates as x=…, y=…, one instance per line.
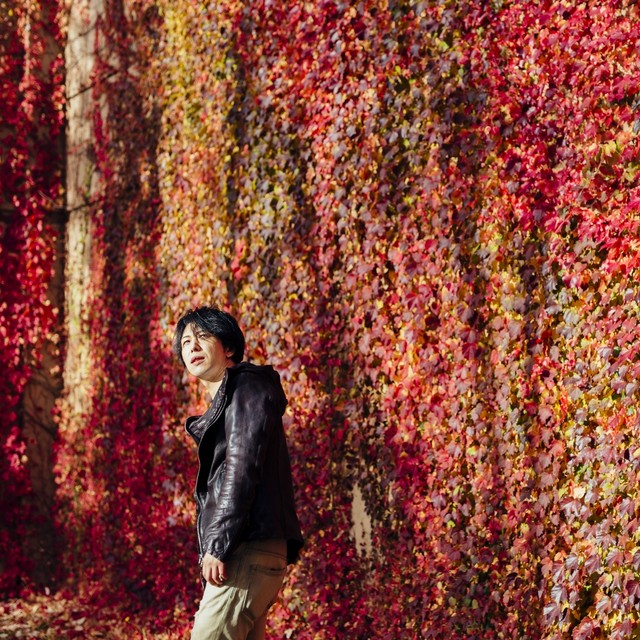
x=213, y=570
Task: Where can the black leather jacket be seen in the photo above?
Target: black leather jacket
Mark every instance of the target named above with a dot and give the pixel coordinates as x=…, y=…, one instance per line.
x=244, y=489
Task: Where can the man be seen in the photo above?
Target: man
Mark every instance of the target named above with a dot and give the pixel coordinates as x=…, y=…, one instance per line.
x=247, y=526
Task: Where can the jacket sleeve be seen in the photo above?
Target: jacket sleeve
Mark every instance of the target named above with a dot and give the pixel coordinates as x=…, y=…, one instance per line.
x=249, y=421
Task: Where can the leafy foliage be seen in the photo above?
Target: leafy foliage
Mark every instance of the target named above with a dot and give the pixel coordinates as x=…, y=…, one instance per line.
x=31, y=121
x=425, y=216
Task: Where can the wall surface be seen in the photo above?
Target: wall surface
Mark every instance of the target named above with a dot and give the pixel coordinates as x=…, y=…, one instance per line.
x=426, y=216
x=81, y=177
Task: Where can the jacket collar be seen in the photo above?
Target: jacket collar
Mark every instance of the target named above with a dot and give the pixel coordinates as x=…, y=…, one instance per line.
x=197, y=425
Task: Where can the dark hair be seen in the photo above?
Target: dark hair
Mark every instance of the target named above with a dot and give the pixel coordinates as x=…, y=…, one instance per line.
x=215, y=322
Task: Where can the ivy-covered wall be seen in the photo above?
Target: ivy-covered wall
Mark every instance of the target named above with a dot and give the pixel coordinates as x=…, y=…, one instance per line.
x=425, y=215
x=31, y=218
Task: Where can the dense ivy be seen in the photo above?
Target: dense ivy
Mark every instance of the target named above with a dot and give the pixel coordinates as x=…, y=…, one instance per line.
x=31, y=122
x=425, y=215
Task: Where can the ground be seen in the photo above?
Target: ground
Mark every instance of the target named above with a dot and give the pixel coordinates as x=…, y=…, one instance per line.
x=59, y=617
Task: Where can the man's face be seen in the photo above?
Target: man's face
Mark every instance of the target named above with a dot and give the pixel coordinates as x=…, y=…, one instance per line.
x=204, y=355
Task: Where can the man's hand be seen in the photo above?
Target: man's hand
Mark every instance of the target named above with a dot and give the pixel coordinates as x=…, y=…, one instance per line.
x=214, y=571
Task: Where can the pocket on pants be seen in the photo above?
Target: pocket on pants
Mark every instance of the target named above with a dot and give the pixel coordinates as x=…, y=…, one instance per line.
x=262, y=591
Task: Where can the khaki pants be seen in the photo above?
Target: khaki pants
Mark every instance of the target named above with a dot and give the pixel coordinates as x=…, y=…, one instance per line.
x=237, y=610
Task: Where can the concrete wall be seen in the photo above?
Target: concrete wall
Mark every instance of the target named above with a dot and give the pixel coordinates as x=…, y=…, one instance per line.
x=80, y=56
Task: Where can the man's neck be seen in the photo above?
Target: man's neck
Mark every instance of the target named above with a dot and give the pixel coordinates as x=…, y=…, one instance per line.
x=213, y=386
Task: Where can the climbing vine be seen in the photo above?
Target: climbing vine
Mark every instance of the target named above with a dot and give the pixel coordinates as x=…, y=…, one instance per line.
x=31, y=123
x=425, y=215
